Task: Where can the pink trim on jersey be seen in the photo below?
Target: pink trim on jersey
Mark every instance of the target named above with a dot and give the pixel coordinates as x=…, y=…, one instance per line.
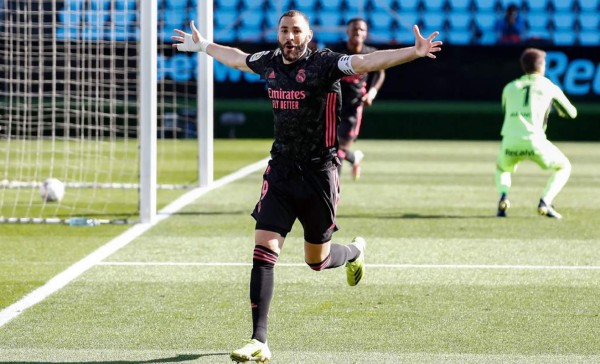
x=331, y=120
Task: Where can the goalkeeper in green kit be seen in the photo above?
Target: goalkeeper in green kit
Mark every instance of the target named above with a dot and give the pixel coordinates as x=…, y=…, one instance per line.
x=527, y=102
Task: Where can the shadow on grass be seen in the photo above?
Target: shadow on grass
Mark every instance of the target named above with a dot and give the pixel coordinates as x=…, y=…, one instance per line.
x=176, y=359
x=414, y=216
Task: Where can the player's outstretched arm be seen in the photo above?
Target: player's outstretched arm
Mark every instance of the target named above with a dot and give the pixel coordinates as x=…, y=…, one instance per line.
x=195, y=42
x=378, y=60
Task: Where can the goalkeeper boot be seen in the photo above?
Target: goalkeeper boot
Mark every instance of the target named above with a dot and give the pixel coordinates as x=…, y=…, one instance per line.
x=253, y=351
x=358, y=157
x=355, y=270
x=503, y=205
x=548, y=210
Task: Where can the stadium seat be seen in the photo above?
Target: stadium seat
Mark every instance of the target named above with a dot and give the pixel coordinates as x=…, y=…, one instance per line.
x=226, y=19
x=408, y=5
x=486, y=21
x=380, y=35
x=407, y=19
x=307, y=6
x=251, y=20
x=590, y=21
x=434, y=5
x=460, y=20
x=537, y=6
x=125, y=5
x=380, y=20
x=460, y=5
x=330, y=18
x=537, y=22
x=564, y=38
x=329, y=4
x=588, y=6
x=485, y=5
x=563, y=21
x=434, y=21
x=460, y=37
x=562, y=6
x=173, y=19
x=176, y=4
x=589, y=38
x=226, y=4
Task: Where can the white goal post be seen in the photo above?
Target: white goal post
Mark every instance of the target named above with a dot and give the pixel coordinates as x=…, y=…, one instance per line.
x=88, y=97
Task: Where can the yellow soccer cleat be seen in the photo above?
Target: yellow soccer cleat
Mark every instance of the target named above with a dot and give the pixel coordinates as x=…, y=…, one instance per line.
x=355, y=270
x=255, y=351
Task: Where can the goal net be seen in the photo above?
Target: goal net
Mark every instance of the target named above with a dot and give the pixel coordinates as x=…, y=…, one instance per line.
x=69, y=87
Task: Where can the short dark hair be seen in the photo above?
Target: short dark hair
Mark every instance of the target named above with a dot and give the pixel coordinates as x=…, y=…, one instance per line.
x=293, y=13
x=354, y=20
x=532, y=60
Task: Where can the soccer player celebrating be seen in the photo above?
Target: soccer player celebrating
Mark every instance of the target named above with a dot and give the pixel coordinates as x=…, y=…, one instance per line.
x=301, y=180
x=355, y=95
x=527, y=102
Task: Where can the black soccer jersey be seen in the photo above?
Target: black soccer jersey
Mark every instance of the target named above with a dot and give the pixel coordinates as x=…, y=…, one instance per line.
x=306, y=101
x=354, y=87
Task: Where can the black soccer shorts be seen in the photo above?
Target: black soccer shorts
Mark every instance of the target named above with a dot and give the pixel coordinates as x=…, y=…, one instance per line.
x=293, y=191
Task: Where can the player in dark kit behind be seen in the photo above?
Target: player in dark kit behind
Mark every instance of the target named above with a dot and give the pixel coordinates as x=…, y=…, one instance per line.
x=355, y=94
x=301, y=181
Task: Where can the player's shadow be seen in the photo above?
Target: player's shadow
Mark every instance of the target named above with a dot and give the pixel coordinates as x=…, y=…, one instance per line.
x=409, y=216
x=175, y=359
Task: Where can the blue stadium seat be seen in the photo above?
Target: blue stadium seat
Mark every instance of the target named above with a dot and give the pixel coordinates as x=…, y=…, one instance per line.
x=330, y=18
x=564, y=21
x=306, y=6
x=589, y=38
x=176, y=4
x=460, y=5
x=380, y=35
x=329, y=4
x=458, y=36
x=460, y=20
x=506, y=3
x=588, y=6
x=226, y=18
x=433, y=22
x=485, y=5
x=173, y=19
x=563, y=6
x=226, y=4
x=537, y=6
x=590, y=21
x=408, y=5
x=486, y=21
x=407, y=19
x=537, y=22
x=564, y=38
x=434, y=5
x=380, y=20
x=251, y=20
x=355, y=6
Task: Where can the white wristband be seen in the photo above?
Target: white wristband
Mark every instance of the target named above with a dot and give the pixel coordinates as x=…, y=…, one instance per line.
x=189, y=45
x=372, y=93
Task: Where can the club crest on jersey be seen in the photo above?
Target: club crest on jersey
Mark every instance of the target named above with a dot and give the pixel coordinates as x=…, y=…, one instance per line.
x=256, y=56
x=271, y=74
x=301, y=76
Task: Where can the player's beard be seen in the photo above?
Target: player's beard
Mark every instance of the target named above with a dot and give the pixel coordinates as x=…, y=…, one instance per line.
x=292, y=55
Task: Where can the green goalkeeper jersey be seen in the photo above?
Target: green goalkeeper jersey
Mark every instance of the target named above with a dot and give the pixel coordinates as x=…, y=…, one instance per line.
x=527, y=102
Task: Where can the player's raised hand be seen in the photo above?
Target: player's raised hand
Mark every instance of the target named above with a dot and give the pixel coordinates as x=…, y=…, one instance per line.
x=426, y=46
x=194, y=42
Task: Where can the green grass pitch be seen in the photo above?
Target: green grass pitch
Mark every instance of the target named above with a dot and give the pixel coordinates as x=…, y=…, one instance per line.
x=446, y=281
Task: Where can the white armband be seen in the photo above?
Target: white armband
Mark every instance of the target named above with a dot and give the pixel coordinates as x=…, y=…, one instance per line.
x=345, y=65
x=189, y=45
x=372, y=93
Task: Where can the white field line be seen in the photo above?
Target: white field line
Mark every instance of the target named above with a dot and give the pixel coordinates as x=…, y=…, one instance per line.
x=393, y=266
x=74, y=271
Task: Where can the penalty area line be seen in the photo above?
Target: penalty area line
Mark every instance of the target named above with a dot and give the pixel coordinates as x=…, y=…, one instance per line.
x=393, y=266
x=94, y=258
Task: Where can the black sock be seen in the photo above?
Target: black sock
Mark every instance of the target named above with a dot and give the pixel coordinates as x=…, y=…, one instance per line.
x=262, y=285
